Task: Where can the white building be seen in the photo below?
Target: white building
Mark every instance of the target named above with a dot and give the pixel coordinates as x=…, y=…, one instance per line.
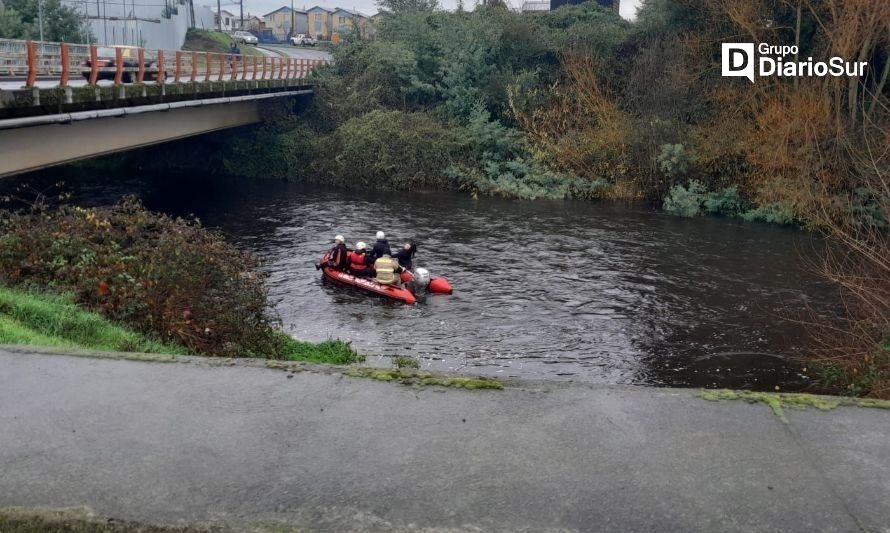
x=148, y=24
x=227, y=21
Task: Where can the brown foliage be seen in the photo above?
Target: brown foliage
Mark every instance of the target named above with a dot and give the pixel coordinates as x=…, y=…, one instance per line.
x=857, y=260
x=167, y=277
x=581, y=129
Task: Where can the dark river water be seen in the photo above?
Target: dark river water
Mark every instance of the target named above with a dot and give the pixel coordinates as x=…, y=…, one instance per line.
x=591, y=292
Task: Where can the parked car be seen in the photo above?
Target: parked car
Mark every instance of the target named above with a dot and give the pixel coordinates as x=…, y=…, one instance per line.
x=244, y=37
x=106, y=56
x=302, y=40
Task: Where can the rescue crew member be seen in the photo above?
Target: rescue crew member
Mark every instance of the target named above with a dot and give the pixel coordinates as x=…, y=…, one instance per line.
x=381, y=247
x=338, y=256
x=406, y=255
x=358, y=261
x=387, y=270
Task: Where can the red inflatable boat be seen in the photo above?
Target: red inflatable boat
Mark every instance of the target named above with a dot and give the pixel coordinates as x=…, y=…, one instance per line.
x=436, y=285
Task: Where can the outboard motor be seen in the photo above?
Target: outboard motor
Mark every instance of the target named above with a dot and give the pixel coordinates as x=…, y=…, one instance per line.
x=421, y=279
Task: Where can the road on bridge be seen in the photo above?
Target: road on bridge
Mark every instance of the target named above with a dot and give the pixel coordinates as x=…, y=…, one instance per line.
x=239, y=444
x=298, y=52
x=16, y=81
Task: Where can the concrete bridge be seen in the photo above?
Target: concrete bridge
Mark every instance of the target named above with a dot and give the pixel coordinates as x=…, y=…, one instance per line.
x=63, y=102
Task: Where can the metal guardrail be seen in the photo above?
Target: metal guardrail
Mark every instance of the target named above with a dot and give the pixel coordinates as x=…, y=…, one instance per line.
x=62, y=61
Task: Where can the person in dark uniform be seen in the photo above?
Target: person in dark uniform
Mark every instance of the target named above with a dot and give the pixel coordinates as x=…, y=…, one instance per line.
x=405, y=256
x=339, y=255
x=381, y=248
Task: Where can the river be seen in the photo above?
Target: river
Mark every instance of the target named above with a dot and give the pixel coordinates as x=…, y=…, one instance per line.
x=581, y=291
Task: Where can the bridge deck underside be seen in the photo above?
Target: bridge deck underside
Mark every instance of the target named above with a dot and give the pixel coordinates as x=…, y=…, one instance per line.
x=33, y=148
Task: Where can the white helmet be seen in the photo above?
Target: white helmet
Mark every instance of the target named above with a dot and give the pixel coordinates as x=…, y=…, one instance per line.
x=360, y=246
x=339, y=238
x=380, y=235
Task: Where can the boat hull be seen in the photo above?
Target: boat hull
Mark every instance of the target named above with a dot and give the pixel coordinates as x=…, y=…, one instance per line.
x=367, y=284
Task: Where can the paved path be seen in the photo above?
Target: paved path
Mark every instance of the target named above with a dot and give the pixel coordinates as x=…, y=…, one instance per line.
x=168, y=442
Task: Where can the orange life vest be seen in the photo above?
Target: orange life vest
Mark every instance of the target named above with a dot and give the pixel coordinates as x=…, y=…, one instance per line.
x=357, y=261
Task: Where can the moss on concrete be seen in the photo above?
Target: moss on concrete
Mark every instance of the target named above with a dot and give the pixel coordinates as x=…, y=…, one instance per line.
x=82, y=520
x=778, y=402
x=409, y=377
x=83, y=94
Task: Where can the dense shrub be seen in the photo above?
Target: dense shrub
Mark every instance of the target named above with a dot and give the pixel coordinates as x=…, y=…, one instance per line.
x=673, y=161
x=270, y=154
x=166, y=277
x=393, y=150
x=772, y=213
x=685, y=201
x=694, y=199
x=726, y=202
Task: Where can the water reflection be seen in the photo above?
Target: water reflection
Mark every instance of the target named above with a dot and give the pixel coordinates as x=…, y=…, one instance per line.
x=592, y=292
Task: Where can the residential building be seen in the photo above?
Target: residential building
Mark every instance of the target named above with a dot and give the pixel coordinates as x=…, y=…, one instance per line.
x=226, y=21
x=285, y=22
x=535, y=5
x=346, y=20
x=320, y=26
x=548, y=5
x=254, y=24
x=375, y=23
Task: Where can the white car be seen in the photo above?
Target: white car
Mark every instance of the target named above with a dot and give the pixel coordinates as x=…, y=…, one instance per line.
x=244, y=37
x=302, y=40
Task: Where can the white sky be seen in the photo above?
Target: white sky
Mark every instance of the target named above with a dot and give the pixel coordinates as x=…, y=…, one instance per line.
x=368, y=7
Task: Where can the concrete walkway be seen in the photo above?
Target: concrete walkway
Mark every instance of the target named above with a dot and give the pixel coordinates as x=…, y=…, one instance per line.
x=241, y=446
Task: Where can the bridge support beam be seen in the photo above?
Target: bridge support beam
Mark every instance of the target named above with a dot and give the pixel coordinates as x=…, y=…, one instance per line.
x=35, y=147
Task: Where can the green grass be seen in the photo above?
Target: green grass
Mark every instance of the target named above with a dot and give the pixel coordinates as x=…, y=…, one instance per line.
x=215, y=41
x=45, y=320
x=334, y=352
x=404, y=361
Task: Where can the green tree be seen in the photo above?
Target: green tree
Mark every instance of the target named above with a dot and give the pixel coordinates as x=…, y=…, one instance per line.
x=405, y=6
x=19, y=19
x=11, y=25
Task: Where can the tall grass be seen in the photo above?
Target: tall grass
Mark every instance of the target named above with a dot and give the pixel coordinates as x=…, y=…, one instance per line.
x=46, y=320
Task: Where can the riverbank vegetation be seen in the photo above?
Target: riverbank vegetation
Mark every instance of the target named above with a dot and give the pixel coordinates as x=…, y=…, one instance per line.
x=580, y=103
x=167, y=278
x=50, y=320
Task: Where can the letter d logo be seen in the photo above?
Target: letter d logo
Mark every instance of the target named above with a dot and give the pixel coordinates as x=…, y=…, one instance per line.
x=738, y=60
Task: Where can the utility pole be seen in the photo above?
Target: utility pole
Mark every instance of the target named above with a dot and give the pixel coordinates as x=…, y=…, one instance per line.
x=292, y=20
x=40, y=17
x=218, y=16
x=241, y=3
